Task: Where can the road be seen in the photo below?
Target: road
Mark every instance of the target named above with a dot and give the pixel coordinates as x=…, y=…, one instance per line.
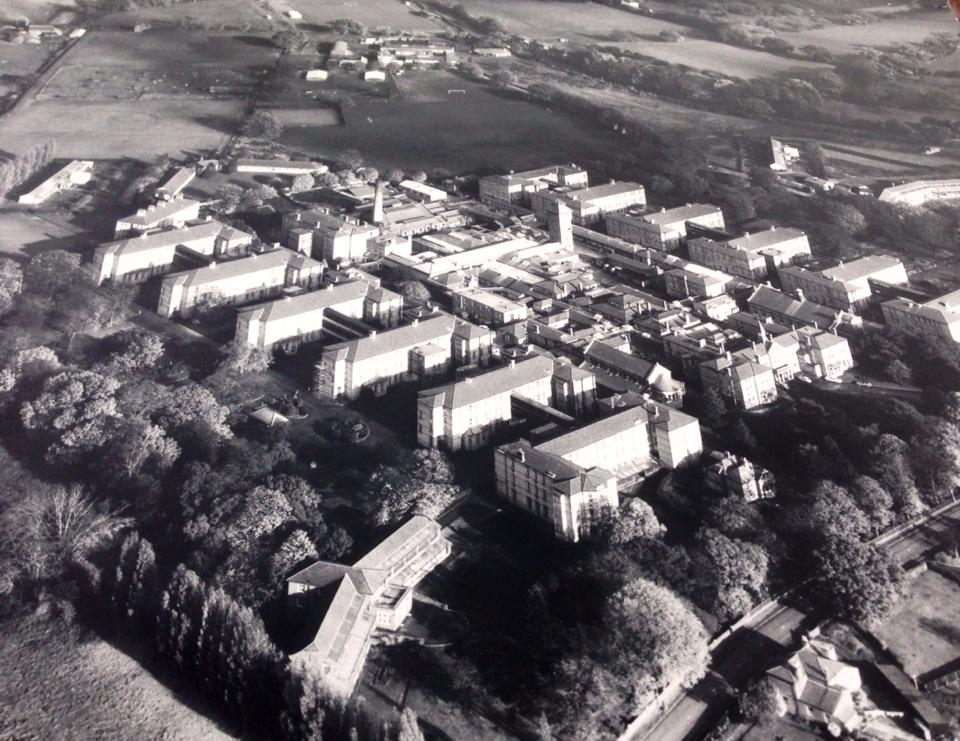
x=754, y=647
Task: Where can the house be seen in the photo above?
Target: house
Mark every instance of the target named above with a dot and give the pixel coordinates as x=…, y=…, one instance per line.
x=258, y=276
x=77, y=172
x=174, y=213
x=515, y=189
x=845, y=287
x=174, y=185
x=737, y=476
x=823, y=354
x=769, y=303
x=464, y=415
x=815, y=686
x=664, y=230
x=487, y=307
x=939, y=317
x=623, y=371
x=373, y=595
x=384, y=359
x=742, y=382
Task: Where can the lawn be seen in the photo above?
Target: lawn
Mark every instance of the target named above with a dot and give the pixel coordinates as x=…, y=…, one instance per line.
x=923, y=632
x=55, y=685
x=476, y=131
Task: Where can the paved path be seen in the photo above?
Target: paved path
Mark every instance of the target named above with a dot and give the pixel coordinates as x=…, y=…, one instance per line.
x=754, y=648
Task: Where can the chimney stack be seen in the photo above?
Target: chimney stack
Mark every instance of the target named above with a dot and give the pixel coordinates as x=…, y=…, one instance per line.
x=378, y=204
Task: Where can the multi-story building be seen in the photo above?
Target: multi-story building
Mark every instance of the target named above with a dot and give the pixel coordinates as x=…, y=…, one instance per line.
x=574, y=389
x=663, y=230
x=515, y=189
x=752, y=256
x=173, y=213
x=336, y=239
x=743, y=382
x=939, y=317
x=739, y=477
x=472, y=345
x=375, y=594
x=718, y=308
x=780, y=353
x=259, y=276
x=845, y=287
x=769, y=303
x=422, y=192
x=920, y=192
x=467, y=413
x=590, y=205
x=487, y=307
x=139, y=258
x=675, y=438
x=695, y=281
x=295, y=319
x=568, y=496
x=385, y=359
x=823, y=354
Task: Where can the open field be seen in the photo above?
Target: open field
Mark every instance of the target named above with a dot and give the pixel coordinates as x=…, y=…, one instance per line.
x=18, y=60
x=604, y=26
x=900, y=30
x=142, y=129
x=479, y=130
x=22, y=232
x=923, y=632
x=54, y=686
x=212, y=14
x=370, y=13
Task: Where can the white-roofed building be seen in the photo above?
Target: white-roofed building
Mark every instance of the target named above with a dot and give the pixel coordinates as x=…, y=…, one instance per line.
x=920, y=192
x=375, y=594
x=752, y=256
x=77, y=172
x=173, y=213
x=663, y=230
x=422, y=191
x=847, y=286
x=516, y=188
x=175, y=184
x=590, y=205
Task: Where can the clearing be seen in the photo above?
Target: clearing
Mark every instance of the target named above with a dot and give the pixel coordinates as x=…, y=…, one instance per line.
x=57, y=686
x=923, y=632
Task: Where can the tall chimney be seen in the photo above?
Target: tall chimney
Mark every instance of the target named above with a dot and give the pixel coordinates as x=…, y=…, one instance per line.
x=378, y=204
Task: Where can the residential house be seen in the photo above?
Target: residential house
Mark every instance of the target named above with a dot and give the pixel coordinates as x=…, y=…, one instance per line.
x=739, y=477
x=742, y=382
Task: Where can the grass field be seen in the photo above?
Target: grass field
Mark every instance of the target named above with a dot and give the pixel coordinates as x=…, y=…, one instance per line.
x=142, y=129
x=206, y=14
x=54, y=686
x=477, y=131
x=605, y=26
x=901, y=30
x=923, y=632
x=371, y=13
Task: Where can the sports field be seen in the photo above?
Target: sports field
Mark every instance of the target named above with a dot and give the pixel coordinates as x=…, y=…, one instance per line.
x=458, y=132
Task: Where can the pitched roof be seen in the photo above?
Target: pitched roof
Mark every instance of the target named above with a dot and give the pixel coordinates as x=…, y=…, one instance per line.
x=408, y=336
x=254, y=263
x=325, y=298
x=765, y=239
x=165, y=239
x=492, y=383
x=158, y=213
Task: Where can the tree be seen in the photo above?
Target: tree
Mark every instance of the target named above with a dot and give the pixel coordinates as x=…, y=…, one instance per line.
x=189, y=405
x=255, y=196
x=413, y=290
x=409, y=726
x=714, y=406
x=50, y=528
x=71, y=413
x=134, y=445
x=135, y=581
x=846, y=216
x=739, y=571
x=11, y=281
x=28, y=364
x=49, y=273
x=636, y=519
x=394, y=175
x=657, y=639
x=834, y=512
x=424, y=486
x=891, y=468
x=262, y=125
x=351, y=159
x=296, y=549
x=301, y=183
x=935, y=454
x=368, y=174
x=762, y=704
x=858, y=580
x=419, y=176
x=263, y=510
x=544, y=731
x=327, y=180
x=138, y=351
x=874, y=501
x=816, y=160
x=178, y=621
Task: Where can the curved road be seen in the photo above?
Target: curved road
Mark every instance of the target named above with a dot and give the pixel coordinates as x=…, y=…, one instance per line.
x=755, y=647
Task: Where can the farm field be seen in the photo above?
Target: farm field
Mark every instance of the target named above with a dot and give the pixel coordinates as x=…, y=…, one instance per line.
x=923, y=632
x=604, y=26
x=901, y=30
x=17, y=60
x=141, y=129
x=474, y=131
x=67, y=688
x=213, y=14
